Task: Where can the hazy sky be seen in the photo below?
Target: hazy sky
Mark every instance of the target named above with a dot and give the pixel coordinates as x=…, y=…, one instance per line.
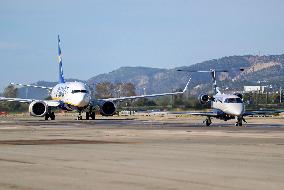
x=99, y=36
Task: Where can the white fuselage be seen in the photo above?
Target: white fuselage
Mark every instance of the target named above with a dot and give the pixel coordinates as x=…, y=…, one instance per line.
x=74, y=94
x=231, y=105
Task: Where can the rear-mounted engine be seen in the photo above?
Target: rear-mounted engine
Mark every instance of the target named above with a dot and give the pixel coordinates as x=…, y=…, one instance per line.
x=203, y=98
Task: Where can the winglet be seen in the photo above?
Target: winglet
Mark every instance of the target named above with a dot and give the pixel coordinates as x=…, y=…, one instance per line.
x=186, y=86
x=29, y=85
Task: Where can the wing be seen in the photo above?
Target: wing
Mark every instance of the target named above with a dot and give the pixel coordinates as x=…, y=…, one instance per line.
x=262, y=112
x=34, y=86
x=16, y=100
x=146, y=96
x=142, y=96
x=51, y=103
x=211, y=114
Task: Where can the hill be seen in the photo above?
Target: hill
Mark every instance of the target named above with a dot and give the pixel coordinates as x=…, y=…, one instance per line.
x=264, y=70
x=258, y=69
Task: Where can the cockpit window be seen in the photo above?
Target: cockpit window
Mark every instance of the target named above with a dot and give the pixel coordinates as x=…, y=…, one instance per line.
x=233, y=100
x=79, y=91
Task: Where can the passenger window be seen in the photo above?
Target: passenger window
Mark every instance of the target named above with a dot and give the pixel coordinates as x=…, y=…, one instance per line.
x=78, y=91
x=233, y=100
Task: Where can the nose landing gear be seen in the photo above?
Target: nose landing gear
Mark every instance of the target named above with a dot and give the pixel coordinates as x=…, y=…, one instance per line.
x=240, y=121
x=89, y=115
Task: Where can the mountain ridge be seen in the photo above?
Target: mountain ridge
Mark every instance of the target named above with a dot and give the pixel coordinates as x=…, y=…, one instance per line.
x=267, y=69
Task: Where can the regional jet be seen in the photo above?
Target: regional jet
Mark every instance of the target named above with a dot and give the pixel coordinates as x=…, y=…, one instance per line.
x=224, y=106
x=74, y=96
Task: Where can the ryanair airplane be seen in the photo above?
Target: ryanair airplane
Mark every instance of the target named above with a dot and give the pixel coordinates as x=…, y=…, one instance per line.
x=74, y=96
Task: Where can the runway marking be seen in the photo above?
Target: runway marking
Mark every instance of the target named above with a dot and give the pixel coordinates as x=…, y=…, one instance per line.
x=58, y=142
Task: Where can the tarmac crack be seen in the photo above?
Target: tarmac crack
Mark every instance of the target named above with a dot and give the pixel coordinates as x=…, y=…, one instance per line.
x=17, y=161
x=58, y=142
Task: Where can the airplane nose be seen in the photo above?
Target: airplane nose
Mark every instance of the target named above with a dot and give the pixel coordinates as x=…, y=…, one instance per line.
x=86, y=99
x=237, y=110
x=83, y=100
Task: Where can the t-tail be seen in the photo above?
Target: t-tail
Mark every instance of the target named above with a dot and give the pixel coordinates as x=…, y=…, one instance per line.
x=213, y=75
x=61, y=76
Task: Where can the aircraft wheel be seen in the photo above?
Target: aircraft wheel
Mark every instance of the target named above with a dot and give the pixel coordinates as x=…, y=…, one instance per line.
x=239, y=122
x=46, y=116
x=93, y=115
x=52, y=116
x=87, y=115
x=208, y=122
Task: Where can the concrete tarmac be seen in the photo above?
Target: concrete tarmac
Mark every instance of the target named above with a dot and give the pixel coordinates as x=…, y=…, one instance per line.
x=140, y=154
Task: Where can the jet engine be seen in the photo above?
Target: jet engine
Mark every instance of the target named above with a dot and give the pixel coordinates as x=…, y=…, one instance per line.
x=38, y=108
x=107, y=108
x=239, y=95
x=203, y=98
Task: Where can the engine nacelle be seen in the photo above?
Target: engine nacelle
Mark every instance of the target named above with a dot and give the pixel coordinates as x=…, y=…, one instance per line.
x=38, y=108
x=203, y=98
x=239, y=95
x=107, y=108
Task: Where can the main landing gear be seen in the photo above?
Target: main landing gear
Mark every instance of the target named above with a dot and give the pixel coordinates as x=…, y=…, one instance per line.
x=89, y=115
x=50, y=115
x=207, y=121
x=239, y=121
x=80, y=117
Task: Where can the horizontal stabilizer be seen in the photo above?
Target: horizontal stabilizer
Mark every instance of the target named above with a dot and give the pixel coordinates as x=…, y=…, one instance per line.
x=203, y=71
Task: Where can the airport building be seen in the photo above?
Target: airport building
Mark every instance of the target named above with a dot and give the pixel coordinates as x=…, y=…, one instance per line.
x=254, y=89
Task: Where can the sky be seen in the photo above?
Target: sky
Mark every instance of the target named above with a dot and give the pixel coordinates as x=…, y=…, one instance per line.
x=98, y=36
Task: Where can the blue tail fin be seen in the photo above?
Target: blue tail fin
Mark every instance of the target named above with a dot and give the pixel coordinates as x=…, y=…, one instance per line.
x=61, y=76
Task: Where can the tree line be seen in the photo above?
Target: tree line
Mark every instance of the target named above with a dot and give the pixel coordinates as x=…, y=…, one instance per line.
x=12, y=92
x=110, y=90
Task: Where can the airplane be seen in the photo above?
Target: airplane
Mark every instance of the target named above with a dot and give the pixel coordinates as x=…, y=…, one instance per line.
x=74, y=96
x=224, y=106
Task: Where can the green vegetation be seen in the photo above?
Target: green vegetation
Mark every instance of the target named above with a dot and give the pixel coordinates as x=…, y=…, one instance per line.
x=263, y=100
x=109, y=90
x=180, y=102
x=12, y=92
